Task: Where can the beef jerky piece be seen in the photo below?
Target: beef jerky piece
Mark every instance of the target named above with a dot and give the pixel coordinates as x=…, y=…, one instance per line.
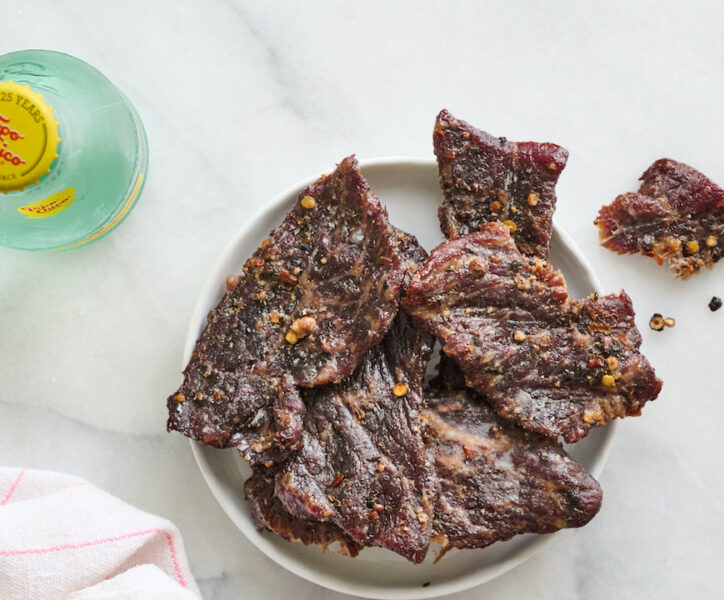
x=552, y=364
x=311, y=301
x=363, y=465
x=260, y=416
x=352, y=284
x=497, y=480
x=413, y=254
x=485, y=178
x=677, y=214
x=268, y=513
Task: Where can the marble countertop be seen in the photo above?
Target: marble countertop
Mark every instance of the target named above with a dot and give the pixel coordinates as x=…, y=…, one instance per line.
x=242, y=99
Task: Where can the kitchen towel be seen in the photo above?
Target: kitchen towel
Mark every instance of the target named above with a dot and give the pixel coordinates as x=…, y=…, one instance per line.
x=63, y=538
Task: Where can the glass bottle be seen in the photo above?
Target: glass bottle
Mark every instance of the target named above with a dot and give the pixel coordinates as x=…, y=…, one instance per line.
x=73, y=152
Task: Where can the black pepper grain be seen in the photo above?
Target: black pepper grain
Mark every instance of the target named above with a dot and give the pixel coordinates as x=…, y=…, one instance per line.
x=656, y=322
x=715, y=303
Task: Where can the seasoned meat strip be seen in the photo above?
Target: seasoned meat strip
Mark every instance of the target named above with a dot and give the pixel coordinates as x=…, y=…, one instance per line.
x=677, y=214
x=413, y=254
x=312, y=300
x=550, y=363
x=363, y=465
x=498, y=480
x=486, y=178
x=268, y=513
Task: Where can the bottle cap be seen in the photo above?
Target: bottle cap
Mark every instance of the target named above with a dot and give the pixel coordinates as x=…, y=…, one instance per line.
x=28, y=137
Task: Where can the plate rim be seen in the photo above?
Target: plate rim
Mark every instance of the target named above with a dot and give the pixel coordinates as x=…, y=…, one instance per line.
x=194, y=329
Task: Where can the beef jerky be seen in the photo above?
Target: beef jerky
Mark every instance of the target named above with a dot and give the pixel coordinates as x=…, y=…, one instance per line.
x=486, y=178
x=413, y=254
x=544, y=360
x=677, y=214
x=312, y=300
x=260, y=416
x=498, y=480
x=363, y=465
x=268, y=513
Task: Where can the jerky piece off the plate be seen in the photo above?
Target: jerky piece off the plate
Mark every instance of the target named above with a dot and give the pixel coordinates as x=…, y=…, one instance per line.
x=312, y=300
x=498, y=480
x=486, y=178
x=542, y=359
x=268, y=513
x=677, y=214
x=363, y=465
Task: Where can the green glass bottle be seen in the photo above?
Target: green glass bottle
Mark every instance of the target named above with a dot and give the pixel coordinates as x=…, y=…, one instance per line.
x=73, y=152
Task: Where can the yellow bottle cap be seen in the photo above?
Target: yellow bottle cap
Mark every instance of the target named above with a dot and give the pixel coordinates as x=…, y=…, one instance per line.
x=28, y=137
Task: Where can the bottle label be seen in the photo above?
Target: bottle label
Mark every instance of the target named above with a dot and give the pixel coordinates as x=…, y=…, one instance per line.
x=28, y=137
x=52, y=205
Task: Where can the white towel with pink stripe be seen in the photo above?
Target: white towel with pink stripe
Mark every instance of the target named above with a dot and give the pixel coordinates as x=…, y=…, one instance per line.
x=63, y=538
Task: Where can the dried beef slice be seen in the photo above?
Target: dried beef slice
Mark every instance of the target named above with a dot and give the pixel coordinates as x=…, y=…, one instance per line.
x=486, y=178
x=677, y=215
x=552, y=364
x=363, y=466
x=268, y=513
x=498, y=480
x=413, y=254
x=313, y=299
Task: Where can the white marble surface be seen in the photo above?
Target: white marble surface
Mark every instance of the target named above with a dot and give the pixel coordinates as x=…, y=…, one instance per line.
x=241, y=100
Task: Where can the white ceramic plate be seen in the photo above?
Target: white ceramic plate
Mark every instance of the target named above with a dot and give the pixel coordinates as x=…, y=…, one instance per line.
x=409, y=188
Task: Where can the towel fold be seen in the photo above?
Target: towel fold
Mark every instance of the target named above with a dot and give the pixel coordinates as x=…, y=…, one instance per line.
x=63, y=538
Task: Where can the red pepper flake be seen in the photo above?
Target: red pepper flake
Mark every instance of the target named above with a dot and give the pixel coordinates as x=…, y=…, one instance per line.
x=400, y=390
x=385, y=260
x=337, y=480
x=373, y=516
x=595, y=362
x=286, y=277
x=469, y=454
x=231, y=282
x=308, y=202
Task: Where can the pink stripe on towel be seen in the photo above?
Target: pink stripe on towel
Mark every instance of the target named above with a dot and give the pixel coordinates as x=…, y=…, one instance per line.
x=171, y=547
x=13, y=487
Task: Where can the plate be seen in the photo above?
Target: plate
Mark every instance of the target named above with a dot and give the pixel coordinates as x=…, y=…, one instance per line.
x=410, y=190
